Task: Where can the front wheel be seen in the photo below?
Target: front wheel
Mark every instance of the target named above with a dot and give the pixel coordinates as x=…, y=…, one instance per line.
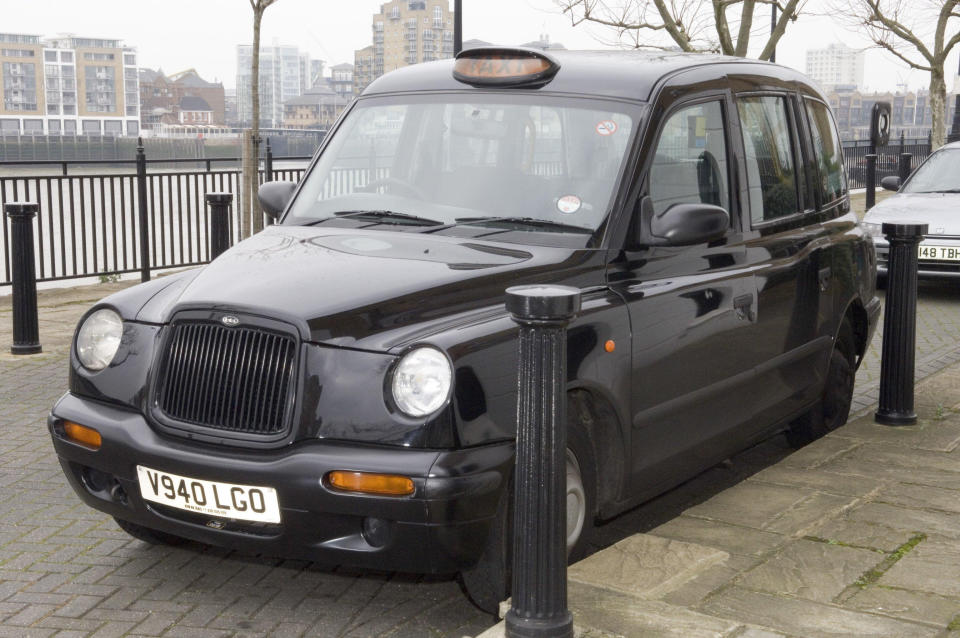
x=833, y=408
x=489, y=581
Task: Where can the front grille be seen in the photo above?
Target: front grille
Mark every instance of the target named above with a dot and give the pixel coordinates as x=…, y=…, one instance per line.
x=237, y=379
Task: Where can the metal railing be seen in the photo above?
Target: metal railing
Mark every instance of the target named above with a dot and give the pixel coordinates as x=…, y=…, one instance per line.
x=888, y=158
x=88, y=224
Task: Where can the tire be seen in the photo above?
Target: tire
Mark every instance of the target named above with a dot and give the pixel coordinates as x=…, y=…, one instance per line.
x=833, y=407
x=147, y=535
x=488, y=583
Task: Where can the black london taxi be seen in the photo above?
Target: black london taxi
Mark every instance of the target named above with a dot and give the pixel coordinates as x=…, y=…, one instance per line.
x=341, y=387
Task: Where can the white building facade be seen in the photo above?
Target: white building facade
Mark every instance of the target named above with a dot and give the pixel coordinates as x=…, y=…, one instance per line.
x=837, y=64
x=284, y=74
x=68, y=85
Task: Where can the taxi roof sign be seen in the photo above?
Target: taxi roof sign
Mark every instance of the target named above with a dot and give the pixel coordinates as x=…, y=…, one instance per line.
x=504, y=66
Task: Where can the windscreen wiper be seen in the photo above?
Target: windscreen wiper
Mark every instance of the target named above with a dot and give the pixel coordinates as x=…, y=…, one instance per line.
x=401, y=218
x=532, y=222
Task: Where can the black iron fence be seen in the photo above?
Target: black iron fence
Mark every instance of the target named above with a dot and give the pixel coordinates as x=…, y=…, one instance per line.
x=888, y=158
x=88, y=223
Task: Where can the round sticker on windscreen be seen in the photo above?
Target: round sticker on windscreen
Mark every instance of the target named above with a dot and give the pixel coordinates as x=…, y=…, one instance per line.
x=606, y=127
x=568, y=204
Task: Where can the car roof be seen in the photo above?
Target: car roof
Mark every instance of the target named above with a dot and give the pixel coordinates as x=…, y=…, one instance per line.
x=630, y=74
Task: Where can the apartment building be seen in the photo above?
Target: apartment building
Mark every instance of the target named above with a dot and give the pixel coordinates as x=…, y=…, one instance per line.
x=834, y=65
x=161, y=96
x=405, y=32
x=341, y=79
x=284, y=74
x=68, y=85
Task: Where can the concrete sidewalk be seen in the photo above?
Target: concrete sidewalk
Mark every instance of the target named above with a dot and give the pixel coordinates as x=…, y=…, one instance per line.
x=857, y=534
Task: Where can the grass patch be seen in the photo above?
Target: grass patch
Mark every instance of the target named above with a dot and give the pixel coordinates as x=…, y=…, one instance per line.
x=954, y=624
x=873, y=575
x=831, y=541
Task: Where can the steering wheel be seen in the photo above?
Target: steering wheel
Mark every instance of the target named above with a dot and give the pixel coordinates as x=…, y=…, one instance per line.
x=393, y=181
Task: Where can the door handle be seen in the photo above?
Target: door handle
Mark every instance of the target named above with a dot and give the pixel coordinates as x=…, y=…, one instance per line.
x=824, y=277
x=743, y=305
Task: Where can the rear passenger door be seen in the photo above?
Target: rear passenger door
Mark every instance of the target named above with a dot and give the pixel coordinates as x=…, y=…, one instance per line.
x=785, y=245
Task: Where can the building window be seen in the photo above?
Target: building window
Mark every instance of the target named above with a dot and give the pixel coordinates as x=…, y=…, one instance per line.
x=133, y=127
x=18, y=53
x=53, y=109
x=19, y=86
x=66, y=56
x=9, y=126
x=103, y=57
x=53, y=127
x=49, y=56
x=129, y=59
x=91, y=127
x=113, y=127
x=33, y=127
x=70, y=126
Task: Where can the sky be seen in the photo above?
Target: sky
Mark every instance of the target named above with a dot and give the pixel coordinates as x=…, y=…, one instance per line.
x=176, y=35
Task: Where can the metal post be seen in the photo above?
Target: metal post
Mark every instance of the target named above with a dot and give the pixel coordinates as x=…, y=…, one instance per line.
x=457, y=27
x=871, y=180
x=539, y=599
x=144, y=214
x=26, y=324
x=219, y=222
x=268, y=163
x=899, y=325
x=905, y=166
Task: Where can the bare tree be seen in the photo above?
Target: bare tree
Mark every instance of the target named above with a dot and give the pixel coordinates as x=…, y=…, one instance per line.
x=251, y=206
x=691, y=25
x=898, y=27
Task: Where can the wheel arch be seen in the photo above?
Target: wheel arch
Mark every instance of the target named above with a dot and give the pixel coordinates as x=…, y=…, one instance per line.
x=596, y=416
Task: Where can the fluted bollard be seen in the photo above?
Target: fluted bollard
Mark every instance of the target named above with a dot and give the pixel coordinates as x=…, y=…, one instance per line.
x=219, y=222
x=539, y=598
x=904, y=166
x=871, y=180
x=899, y=325
x=26, y=324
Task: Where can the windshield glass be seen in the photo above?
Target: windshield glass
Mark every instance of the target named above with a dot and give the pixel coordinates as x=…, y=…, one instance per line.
x=938, y=174
x=506, y=163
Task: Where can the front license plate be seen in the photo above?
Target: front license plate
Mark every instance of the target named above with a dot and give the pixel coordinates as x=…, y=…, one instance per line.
x=940, y=253
x=224, y=500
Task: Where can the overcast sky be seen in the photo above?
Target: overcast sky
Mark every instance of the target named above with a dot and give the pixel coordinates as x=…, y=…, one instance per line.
x=203, y=34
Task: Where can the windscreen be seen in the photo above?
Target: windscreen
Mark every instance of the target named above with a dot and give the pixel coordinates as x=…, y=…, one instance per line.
x=937, y=175
x=473, y=159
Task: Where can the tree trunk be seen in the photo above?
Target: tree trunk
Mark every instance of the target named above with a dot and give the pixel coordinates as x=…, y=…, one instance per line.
x=938, y=100
x=248, y=172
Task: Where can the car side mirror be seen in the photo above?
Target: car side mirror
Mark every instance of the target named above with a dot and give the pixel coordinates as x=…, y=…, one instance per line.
x=890, y=183
x=274, y=197
x=689, y=224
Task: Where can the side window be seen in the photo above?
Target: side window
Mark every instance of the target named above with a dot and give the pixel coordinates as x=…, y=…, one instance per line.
x=690, y=163
x=768, y=153
x=826, y=146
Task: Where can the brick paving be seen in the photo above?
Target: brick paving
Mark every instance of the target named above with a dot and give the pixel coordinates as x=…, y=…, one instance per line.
x=67, y=570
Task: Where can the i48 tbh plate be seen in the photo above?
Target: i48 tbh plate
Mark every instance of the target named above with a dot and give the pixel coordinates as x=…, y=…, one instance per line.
x=940, y=253
x=223, y=500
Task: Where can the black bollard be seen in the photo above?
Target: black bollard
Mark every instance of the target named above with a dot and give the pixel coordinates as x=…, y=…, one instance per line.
x=904, y=166
x=219, y=222
x=539, y=599
x=143, y=213
x=871, y=180
x=26, y=324
x=899, y=325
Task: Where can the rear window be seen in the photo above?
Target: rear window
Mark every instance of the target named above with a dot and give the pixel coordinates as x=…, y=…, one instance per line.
x=768, y=150
x=826, y=146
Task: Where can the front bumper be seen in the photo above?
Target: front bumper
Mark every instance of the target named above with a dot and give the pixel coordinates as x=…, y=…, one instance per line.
x=441, y=528
x=926, y=269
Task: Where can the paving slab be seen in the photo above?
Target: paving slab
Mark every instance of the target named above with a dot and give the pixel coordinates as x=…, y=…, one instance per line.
x=734, y=539
x=861, y=534
x=910, y=605
x=807, y=618
x=645, y=565
x=933, y=566
x=811, y=570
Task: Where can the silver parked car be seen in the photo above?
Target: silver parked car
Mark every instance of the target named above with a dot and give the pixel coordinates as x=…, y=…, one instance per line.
x=931, y=195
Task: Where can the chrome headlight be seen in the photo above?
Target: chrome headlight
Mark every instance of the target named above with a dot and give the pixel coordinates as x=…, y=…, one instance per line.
x=99, y=338
x=874, y=230
x=421, y=381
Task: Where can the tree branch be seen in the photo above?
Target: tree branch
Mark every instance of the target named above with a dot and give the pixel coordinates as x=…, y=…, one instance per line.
x=746, y=21
x=789, y=12
x=723, y=28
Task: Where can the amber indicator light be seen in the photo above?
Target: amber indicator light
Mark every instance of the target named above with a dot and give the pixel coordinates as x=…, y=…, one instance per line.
x=370, y=483
x=82, y=434
x=610, y=346
x=505, y=68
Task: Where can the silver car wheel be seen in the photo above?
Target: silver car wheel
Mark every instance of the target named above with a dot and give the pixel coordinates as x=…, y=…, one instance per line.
x=576, y=501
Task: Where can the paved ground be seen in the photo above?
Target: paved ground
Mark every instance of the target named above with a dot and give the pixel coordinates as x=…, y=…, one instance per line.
x=67, y=570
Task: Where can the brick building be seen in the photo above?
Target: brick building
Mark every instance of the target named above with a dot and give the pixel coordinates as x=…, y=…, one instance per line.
x=161, y=96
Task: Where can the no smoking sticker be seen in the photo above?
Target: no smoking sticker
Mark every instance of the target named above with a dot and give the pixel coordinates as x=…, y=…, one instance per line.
x=606, y=127
x=568, y=204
